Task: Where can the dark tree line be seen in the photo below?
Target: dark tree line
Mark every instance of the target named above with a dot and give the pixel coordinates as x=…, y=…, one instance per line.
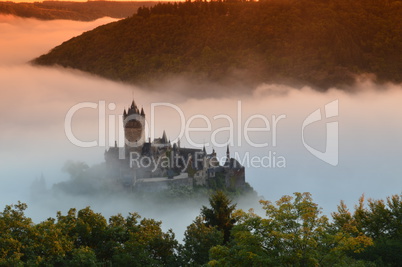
x=318, y=43
x=83, y=11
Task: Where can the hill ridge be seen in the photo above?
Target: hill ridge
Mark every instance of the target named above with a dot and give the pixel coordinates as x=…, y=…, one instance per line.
x=323, y=44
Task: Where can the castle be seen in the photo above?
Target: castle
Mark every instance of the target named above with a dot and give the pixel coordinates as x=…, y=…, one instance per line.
x=157, y=165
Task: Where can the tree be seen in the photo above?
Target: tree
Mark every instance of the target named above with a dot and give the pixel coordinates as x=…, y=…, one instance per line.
x=350, y=236
x=147, y=245
x=250, y=244
x=82, y=256
x=15, y=233
x=220, y=214
x=294, y=233
x=198, y=240
x=210, y=229
x=90, y=230
x=381, y=221
x=76, y=170
x=50, y=245
x=298, y=232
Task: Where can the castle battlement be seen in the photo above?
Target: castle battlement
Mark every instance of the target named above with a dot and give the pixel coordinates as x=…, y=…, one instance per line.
x=154, y=166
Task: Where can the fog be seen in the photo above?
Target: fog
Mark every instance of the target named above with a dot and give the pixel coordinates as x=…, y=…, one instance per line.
x=35, y=100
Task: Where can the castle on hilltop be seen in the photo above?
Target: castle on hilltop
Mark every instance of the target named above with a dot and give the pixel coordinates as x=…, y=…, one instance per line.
x=155, y=166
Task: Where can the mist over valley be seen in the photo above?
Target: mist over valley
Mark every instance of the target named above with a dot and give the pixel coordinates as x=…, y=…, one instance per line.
x=34, y=147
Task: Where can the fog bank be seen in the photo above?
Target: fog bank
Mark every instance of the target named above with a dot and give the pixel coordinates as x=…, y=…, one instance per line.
x=35, y=100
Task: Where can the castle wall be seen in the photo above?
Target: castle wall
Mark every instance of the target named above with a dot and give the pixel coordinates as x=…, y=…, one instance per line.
x=162, y=183
x=150, y=175
x=235, y=178
x=200, y=178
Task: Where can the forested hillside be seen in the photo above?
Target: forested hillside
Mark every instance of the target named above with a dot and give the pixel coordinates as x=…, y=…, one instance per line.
x=84, y=11
x=319, y=43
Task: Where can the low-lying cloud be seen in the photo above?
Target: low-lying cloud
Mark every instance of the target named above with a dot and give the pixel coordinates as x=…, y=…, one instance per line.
x=35, y=100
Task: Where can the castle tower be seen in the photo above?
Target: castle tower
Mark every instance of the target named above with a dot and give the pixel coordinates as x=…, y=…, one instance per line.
x=164, y=138
x=227, y=163
x=134, y=125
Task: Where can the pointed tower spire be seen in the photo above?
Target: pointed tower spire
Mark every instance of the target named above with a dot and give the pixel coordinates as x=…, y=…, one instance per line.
x=204, y=150
x=164, y=138
x=142, y=112
x=227, y=163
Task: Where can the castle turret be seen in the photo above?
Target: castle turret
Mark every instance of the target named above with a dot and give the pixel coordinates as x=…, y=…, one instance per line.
x=134, y=123
x=164, y=138
x=227, y=163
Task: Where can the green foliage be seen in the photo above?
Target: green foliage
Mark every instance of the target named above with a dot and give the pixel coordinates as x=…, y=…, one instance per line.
x=198, y=240
x=147, y=246
x=382, y=221
x=292, y=233
x=15, y=230
x=220, y=214
x=320, y=43
x=211, y=228
x=83, y=238
x=217, y=183
x=82, y=256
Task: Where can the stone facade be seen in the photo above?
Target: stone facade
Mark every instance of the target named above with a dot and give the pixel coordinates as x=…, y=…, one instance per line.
x=157, y=165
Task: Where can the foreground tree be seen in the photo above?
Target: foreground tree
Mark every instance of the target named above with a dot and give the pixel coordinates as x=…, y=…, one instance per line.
x=382, y=222
x=198, y=240
x=293, y=234
x=15, y=233
x=147, y=245
x=220, y=214
x=124, y=241
x=210, y=229
x=84, y=238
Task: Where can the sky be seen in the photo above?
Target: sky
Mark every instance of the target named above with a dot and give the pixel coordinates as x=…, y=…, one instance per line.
x=34, y=103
